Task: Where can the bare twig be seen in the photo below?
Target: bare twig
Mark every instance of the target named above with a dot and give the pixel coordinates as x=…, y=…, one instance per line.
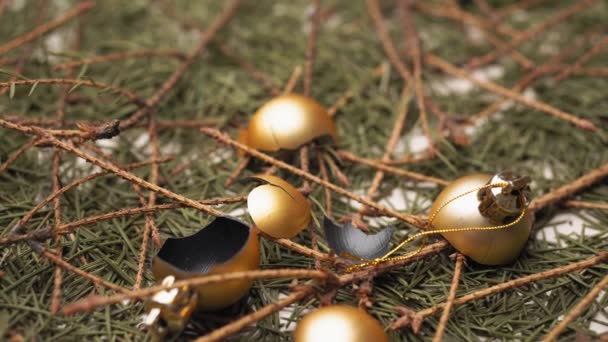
x=450, y=300
x=18, y=153
x=87, y=83
x=206, y=36
x=451, y=69
x=400, y=172
x=120, y=56
x=597, y=48
x=373, y=8
x=95, y=301
x=414, y=50
x=552, y=273
x=567, y=190
x=239, y=324
x=587, y=205
x=81, y=8
x=577, y=310
x=532, y=32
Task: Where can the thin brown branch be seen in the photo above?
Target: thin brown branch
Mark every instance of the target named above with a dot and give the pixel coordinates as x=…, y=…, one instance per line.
x=586, y=205
x=487, y=10
x=530, y=77
x=578, y=310
x=552, y=273
x=372, y=191
x=337, y=172
x=18, y=153
x=95, y=301
x=325, y=177
x=120, y=56
x=69, y=267
x=455, y=13
x=417, y=221
x=518, y=6
x=341, y=102
x=531, y=33
x=44, y=234
x=569, y=189
x=541, y=106
x=373, y=8
x=206, y=37
x=236, y=173
x=311, y=47
x=67, y=227
x=445, y=315
x=153, y=133
x=293, y=80
x=58, y=279
x=386, y=168
x=597, y=48
x=255, y=73
x=241, y=323
x=76, y=11
x=414, y=50
x=87, y=83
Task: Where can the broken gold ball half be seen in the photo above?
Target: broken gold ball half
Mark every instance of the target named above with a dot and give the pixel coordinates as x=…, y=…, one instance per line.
x=277, y=208
x=225, y=245
x=287, y=122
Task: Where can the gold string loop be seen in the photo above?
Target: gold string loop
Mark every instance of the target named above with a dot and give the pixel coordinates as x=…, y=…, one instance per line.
x=387, y=257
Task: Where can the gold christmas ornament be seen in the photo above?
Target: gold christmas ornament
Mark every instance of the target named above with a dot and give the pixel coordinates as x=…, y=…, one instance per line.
x=277, y=208
x=339, y=323
x=226, y=245
x=491, y=207
x=287, y=122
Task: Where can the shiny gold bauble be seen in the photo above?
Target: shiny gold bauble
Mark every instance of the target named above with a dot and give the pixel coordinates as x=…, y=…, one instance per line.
x=223, y=252
x=493, y=247
x=277, y=208
x=287, y=122
x=339, y=323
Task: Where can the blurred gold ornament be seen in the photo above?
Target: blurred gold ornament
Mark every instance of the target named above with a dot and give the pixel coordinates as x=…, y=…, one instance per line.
x=287, y=122
x=226, y=245
x=277, y=208
x=339, y=323
x=490, y=208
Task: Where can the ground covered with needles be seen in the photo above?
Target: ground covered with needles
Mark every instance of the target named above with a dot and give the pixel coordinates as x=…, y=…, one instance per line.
x=421, y=89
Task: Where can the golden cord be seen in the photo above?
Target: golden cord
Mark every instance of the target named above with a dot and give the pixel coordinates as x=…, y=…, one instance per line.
x=387, y=258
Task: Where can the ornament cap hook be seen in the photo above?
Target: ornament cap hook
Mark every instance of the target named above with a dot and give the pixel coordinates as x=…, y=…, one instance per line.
x=501, y=204
x=169, y=310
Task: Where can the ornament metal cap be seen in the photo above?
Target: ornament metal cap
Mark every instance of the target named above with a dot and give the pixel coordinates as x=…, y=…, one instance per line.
x=169, y=310
x=277, y=208
x=288, y=122
x=225, y=245
x=503, y=204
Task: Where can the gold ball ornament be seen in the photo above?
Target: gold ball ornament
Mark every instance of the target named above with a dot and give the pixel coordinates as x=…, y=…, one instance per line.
x=339, y=323
x=488, y=247
x=287, y=122
x=277, y=208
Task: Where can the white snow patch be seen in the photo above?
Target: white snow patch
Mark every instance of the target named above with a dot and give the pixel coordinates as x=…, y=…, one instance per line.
x=414, y=142
x=564, y=224
x=459, y=86
x=475, y=35
x=107, y=145
x=599, y=324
